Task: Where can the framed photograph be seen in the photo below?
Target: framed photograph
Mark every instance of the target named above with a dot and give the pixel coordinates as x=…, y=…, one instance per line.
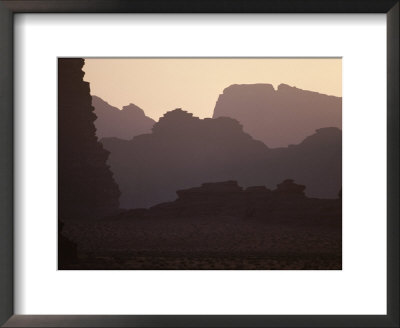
x=199, y=164
x=251, y=181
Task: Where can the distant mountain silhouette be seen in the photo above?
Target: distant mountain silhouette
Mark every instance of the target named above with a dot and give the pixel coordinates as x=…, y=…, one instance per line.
x=183, y=151
x=125, y=124
x=282, y=117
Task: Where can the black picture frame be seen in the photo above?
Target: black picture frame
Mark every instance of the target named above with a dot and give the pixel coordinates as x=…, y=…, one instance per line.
x=10, y=7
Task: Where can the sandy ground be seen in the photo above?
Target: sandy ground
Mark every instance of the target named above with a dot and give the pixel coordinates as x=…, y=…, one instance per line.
x=205, y=243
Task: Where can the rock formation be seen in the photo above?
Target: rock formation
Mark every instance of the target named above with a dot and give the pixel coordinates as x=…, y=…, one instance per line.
x=86, y=188
x=183, y=151
x=285, y=203
x=124, y=124
x=288, y=187
x=282, y=117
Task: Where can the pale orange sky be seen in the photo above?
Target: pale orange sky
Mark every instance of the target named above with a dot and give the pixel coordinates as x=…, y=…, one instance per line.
x=158, y=85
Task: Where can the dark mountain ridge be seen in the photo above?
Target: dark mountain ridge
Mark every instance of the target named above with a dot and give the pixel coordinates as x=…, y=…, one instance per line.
x=183, y=151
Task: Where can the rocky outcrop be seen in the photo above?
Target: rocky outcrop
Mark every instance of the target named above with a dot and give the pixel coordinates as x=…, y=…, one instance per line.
x=125, y=124
x=288, y=187
x=86, y=188
x=184, y=151
x=285, y=203
x=279, y=117
x=231, y=194
x=211, y=190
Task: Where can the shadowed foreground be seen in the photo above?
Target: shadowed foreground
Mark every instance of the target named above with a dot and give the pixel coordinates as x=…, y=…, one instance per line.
x=216, y=226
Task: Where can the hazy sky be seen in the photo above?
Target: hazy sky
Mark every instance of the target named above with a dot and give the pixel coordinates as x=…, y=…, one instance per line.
x=159, y=85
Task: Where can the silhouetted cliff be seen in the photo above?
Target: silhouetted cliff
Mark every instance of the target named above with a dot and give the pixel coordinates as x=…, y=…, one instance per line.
x=86, y=187
x=282, y=117
x=125, y=124
x=183, y=151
